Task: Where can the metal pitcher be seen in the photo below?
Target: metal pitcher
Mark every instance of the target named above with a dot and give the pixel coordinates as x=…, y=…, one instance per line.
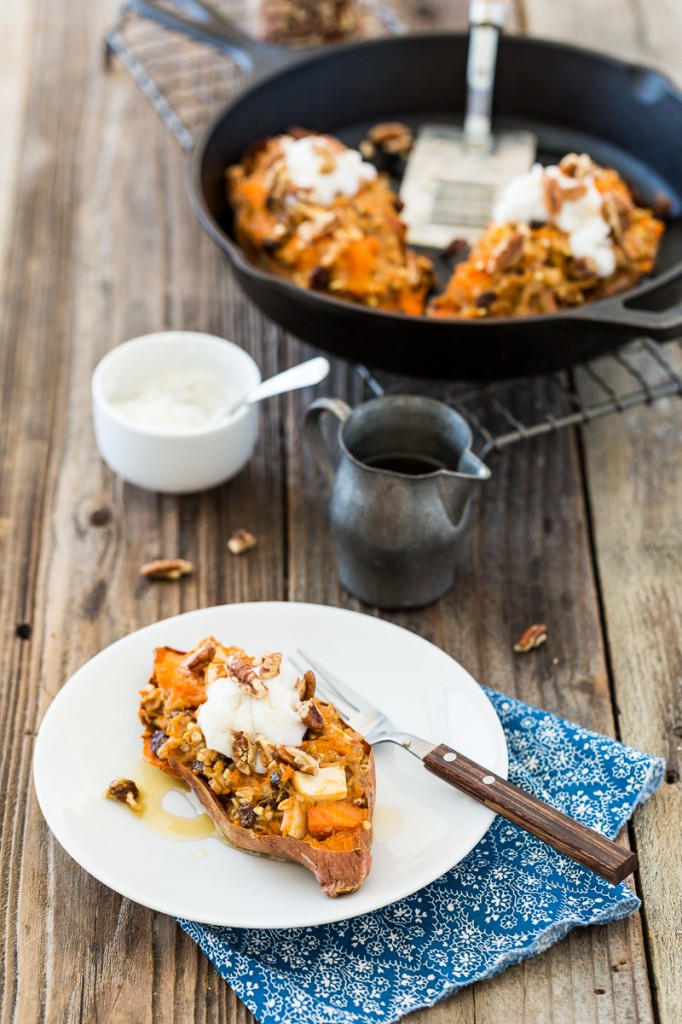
x=402, y=478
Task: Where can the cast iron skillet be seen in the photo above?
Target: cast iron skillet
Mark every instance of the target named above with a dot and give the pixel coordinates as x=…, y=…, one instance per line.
x=623, y=115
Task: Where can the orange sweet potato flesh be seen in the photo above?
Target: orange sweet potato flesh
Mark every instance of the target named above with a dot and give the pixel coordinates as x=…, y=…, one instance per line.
x=325, y=819
x=337, y=847
x=173, y=677
x=338, y=871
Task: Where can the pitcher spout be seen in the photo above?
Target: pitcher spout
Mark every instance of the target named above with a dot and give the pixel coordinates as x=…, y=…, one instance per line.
x=456, y=488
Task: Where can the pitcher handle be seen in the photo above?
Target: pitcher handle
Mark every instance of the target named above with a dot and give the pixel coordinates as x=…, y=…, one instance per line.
x=319, y=448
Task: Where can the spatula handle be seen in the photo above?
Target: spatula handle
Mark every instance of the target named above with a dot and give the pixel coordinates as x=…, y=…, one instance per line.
x=566, y=835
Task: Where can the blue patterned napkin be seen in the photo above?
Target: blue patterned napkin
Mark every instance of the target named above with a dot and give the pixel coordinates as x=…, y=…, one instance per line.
x=510, y=898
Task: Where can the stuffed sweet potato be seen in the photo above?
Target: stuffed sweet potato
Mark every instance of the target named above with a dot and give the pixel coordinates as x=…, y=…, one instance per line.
x=279, y=772
x=561, y=236
x=309, y=209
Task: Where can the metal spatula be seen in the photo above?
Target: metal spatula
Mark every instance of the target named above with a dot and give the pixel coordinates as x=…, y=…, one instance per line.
x=454, y=174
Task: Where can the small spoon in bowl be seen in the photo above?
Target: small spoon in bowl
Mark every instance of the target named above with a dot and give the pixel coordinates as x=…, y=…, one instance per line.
x=301, y=376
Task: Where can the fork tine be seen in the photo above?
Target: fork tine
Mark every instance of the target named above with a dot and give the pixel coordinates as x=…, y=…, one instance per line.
x=324, y=685
x=344, y=693
x=357, y=711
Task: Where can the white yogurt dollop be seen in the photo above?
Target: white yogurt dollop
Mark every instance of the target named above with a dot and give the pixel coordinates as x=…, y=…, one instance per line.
x=313, y=163
x=178, y=402
x=274, y=716
x=523, y=201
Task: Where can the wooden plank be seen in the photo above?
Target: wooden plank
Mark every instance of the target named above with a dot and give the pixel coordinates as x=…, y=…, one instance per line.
x=634, y=474
x=106, y=248
x=527, y=560
x=15, y=24
x=94, y=263
x=634, y=479
x=639, y=32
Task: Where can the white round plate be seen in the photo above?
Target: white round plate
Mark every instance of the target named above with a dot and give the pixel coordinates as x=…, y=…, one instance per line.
x=91, y=734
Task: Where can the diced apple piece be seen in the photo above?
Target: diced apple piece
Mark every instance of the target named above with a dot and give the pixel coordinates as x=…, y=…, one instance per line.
x=329, y=784
x=295, y=818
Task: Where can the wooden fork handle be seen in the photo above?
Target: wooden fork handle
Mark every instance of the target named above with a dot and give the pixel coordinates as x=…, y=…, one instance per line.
x=566, y=835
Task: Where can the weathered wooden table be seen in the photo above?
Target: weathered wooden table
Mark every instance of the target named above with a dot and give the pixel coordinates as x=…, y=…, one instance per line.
x=580, y=529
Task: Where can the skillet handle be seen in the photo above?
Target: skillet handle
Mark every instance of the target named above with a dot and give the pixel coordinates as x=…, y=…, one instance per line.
x=659, y=324
x=313, y=434
x=200, y=21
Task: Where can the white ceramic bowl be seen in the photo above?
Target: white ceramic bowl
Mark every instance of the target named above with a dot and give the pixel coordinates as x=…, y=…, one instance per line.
x=181, y=461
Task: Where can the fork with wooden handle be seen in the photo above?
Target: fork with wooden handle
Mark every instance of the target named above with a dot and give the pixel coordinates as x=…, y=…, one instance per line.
x=568, y=836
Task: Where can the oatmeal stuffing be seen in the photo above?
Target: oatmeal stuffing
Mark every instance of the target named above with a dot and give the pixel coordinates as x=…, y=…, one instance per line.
x=315, y=791
x=126, y=792
x=519, y=268
x=585, y=237
x=346, y=241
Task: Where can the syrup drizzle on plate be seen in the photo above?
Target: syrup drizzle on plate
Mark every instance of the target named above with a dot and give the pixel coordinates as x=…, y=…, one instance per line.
x=154, y=786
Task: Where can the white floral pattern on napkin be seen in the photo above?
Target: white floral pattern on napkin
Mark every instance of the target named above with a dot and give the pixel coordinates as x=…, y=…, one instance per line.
x=509, y=899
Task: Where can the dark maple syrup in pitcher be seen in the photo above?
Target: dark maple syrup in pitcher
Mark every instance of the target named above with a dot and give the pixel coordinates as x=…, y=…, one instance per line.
x=408, y=463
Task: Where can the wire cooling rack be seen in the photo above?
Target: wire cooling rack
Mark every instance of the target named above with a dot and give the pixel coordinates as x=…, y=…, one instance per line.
x=504, y=412
x=187, y=82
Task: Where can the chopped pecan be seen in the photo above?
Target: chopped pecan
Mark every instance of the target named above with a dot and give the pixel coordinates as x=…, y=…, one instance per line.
x=243, y=752
x=311, y=715
x=457, y=247
x=126, y=792
x=265, y=750
x=297, y=132
x=506, y=253
x=241, y=541
x=531, y=638
x=577, y=165
x=388, y=146
x=392, y=137
x=616, y=212
x=244, y=675
x=327, y=163
x=166, y=569
x=196, y=661
x=621, y=283
x=249, y=158
x=661, y=205
x=269, y=664
x=305, y=686
x=320, y=278
x=297, y=758
x=308, y=22
x=553, y=196
x=571, y=193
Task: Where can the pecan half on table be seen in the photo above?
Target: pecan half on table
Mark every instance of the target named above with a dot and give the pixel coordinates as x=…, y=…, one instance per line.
x=531, y=638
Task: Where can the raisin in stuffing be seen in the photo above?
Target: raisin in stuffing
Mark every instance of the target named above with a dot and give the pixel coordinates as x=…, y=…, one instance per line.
x=247, y=816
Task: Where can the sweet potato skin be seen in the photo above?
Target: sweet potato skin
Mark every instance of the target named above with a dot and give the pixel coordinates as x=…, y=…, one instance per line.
x=337, y=871
x=337, y=850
